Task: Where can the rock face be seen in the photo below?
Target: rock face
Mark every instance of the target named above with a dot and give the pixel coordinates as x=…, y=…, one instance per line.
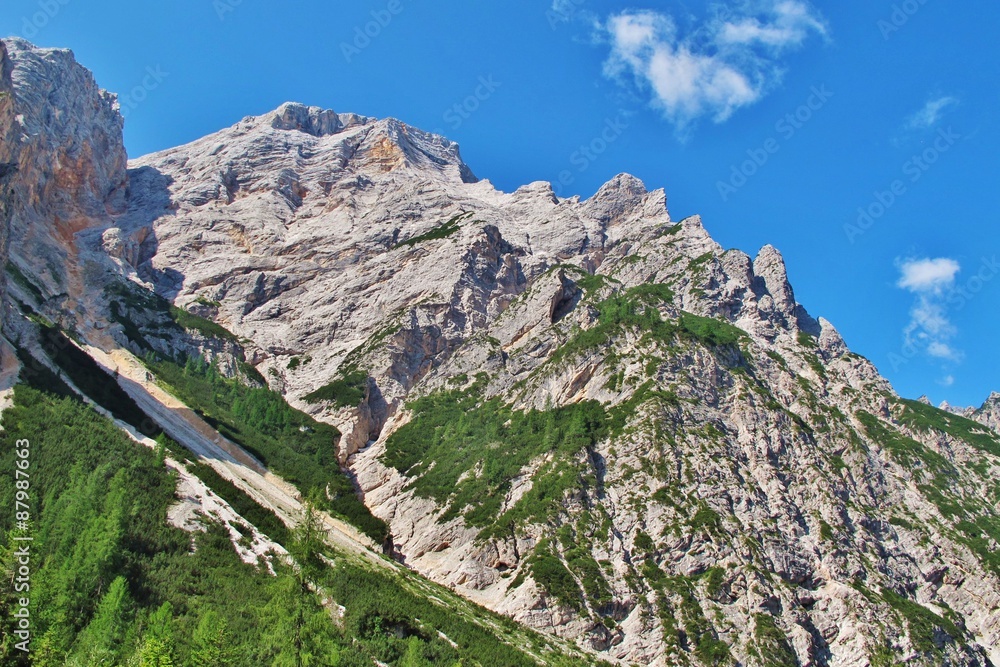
x=653, y=449
x=71, y=165
x=8, y=159
x=989, y=414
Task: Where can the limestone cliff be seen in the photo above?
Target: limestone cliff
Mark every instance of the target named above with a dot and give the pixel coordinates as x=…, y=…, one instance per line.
x=9, y=136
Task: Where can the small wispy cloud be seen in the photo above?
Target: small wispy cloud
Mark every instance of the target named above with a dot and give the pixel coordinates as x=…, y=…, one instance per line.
x=928, y=275
x=930, y=329
x=931, y=113
x=729, y=62
x=789, y=25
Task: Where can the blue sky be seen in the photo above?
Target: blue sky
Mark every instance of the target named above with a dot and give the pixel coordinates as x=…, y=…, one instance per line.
x=857, y=137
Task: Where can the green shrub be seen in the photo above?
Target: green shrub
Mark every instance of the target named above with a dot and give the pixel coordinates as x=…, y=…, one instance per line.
x=906, y=451
x=710, y=331
x=18, y=277
x=553, y=577
x=291, y=443
x=634, y=308
x=921, y=622
x=452, y=434
x=92, y=380
x=192, y=322
x=263, y=519
x=581, y=562
x=442, y=231
x=770, y=645
x=921, y=417
x=808, y=340
x=344, y=392
x=707, y=519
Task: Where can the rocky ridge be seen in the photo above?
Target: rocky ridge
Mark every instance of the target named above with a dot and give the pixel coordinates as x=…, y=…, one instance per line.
x=8, y=156
x=744, y=489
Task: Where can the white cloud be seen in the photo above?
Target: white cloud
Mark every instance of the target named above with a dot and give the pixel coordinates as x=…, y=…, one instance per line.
x=930, y=114
x=928, y=275
x=564, y=11
x=943, y=351
x=726, y=64
x=930, y=329
x=791, y=22
x=947, y=381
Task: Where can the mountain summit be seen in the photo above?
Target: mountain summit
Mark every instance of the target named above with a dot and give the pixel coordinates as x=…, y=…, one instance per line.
x=581, y=414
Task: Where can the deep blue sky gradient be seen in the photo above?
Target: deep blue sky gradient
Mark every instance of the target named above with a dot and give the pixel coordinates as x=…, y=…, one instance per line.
x=552, y=99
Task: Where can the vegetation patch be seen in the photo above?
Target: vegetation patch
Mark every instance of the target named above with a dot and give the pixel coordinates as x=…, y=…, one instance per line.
x=815, y=364
x=706, y=519
x=191, y=322
x=93, y=381
x=808, y=340
x=710, y=331
x=18, y=277
x=582, y=563
x=635, y=308
x=442, y=231
x=344, y=392
x=291, y=443
x=263, y=519
x=976, y=524
x=638, y=309
x=923, y=624
x=698, y=263
x=113, y=583
x=700, y=636
x=770, y=645
x=921, y=417
x=126, y=296
x=907, y=451
x=556, y=580
x=465, y=453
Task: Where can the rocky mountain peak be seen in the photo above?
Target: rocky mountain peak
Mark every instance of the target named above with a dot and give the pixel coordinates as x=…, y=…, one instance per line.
x=61, y=110
x=314, y=121
x=769, y=267
x=625, y=197
x=392, y=144
x=989, y=413
x=71, y=160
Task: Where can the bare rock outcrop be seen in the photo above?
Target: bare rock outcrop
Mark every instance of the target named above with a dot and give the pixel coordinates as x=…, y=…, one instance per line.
x=9, y=148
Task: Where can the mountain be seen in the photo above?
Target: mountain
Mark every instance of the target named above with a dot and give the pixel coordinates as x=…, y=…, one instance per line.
x=989, y=413
x=580, y=414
